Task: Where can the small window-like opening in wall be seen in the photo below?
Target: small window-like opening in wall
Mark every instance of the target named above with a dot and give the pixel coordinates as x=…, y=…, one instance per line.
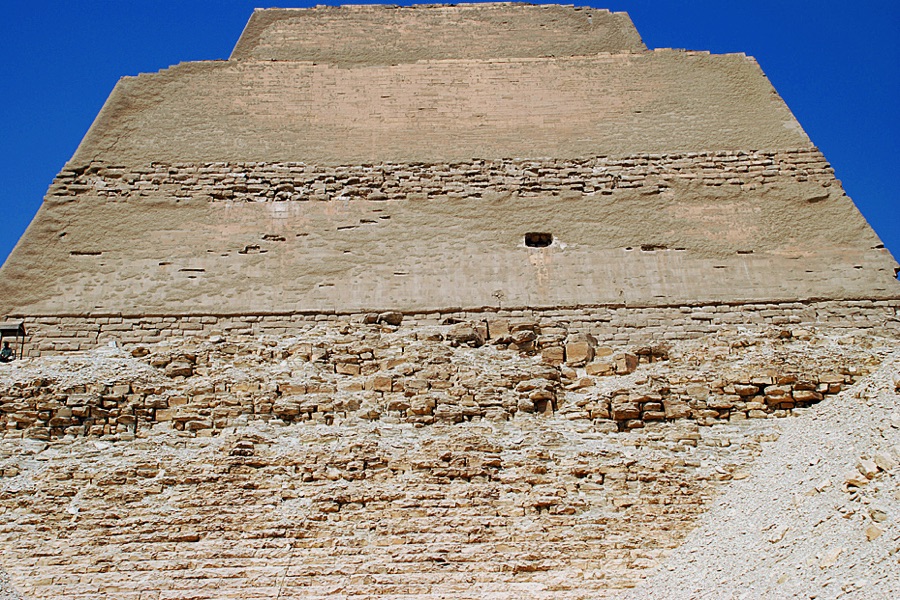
x=538, y=240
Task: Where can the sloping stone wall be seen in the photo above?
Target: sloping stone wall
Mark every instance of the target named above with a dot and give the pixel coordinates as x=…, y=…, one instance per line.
x=383, y=35
x=441, y=111
x=540, y=511
x=649, y=229
x=374, y=460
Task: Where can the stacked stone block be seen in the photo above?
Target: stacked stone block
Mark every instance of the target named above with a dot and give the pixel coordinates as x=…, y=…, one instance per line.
x=468, y=371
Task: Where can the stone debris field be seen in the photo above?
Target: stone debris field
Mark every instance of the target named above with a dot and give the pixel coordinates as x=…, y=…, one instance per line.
x=447, y=466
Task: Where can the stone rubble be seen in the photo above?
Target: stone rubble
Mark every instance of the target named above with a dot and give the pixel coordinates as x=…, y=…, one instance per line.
x=464, y=371
x=817, y=517
x=417, y=492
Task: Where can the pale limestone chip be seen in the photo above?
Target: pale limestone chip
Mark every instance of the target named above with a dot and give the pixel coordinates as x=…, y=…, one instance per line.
x=873, y=532
x=830, y=558
x=779, y=534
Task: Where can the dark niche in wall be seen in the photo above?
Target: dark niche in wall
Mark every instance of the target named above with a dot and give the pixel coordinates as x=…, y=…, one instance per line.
x=536, y=239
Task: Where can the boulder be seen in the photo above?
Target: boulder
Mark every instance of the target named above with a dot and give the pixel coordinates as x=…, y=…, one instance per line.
x=391, y=318
x=625, y=363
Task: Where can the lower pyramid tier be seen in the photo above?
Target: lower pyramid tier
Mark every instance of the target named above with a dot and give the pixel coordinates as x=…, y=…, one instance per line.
x=287, y=467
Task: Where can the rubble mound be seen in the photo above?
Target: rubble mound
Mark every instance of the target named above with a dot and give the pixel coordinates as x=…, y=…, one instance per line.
x=271, y=498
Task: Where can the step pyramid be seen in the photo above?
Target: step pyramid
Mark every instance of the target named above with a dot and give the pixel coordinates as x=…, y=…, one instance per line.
x=435, y=158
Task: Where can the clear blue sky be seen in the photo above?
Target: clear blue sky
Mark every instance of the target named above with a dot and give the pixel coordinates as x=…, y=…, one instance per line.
x=836, y=64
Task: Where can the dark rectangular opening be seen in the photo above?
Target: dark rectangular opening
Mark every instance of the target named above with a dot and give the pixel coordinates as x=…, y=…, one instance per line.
x=536, y=239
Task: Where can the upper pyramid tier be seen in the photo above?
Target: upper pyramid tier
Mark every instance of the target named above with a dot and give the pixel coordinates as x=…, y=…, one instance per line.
x=602, y=105
x=383, y=35
x=361, y=159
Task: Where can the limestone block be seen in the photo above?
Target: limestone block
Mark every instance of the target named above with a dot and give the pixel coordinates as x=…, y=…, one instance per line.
x=525, y=405
x=541, y=395
x=398, y=402
x=600, y=412
x=369, y=410
x=465, y=333
x=777, y=390
x=390, y=318
x=286, y=408
x=722, y=401
x=806, y=396
x=524, y=339
x=622, y=411
x=382, y=383
x=347, y=369
x=553, y=355
x=600, y=367
x=181, y=368
x=603, y=352
x=676, y=409
x=448, y=413
x=625, y=363
x=745, y=390
x=422, y=405
x=498, y=328
x=579, y=353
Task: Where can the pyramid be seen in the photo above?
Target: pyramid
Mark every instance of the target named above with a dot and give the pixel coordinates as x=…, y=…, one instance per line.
x=431, y=159
x=457, y=302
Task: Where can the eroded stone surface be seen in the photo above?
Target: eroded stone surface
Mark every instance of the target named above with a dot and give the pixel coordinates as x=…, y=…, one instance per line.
x=383, y=35
x=424, y=492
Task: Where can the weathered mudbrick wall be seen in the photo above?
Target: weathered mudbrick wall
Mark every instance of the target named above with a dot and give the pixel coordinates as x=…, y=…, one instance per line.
x=260, y=182
x=614, y=325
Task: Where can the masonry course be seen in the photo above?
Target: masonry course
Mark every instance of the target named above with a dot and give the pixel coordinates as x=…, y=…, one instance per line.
x=278, y=237
x=384, y=35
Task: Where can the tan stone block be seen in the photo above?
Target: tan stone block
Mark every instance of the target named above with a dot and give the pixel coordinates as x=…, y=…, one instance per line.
x=625, y=363
x=383, y=383
x=346, y=369
x=806, y=396
x=579, y=353
x=653, y=415
x=603, y=352
x=622, y=411
x=553, y=355
x=676, y=409
x=422, y=405
x=722, y=401
x=600, y=367
x=745, y=390
x=498, y=328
